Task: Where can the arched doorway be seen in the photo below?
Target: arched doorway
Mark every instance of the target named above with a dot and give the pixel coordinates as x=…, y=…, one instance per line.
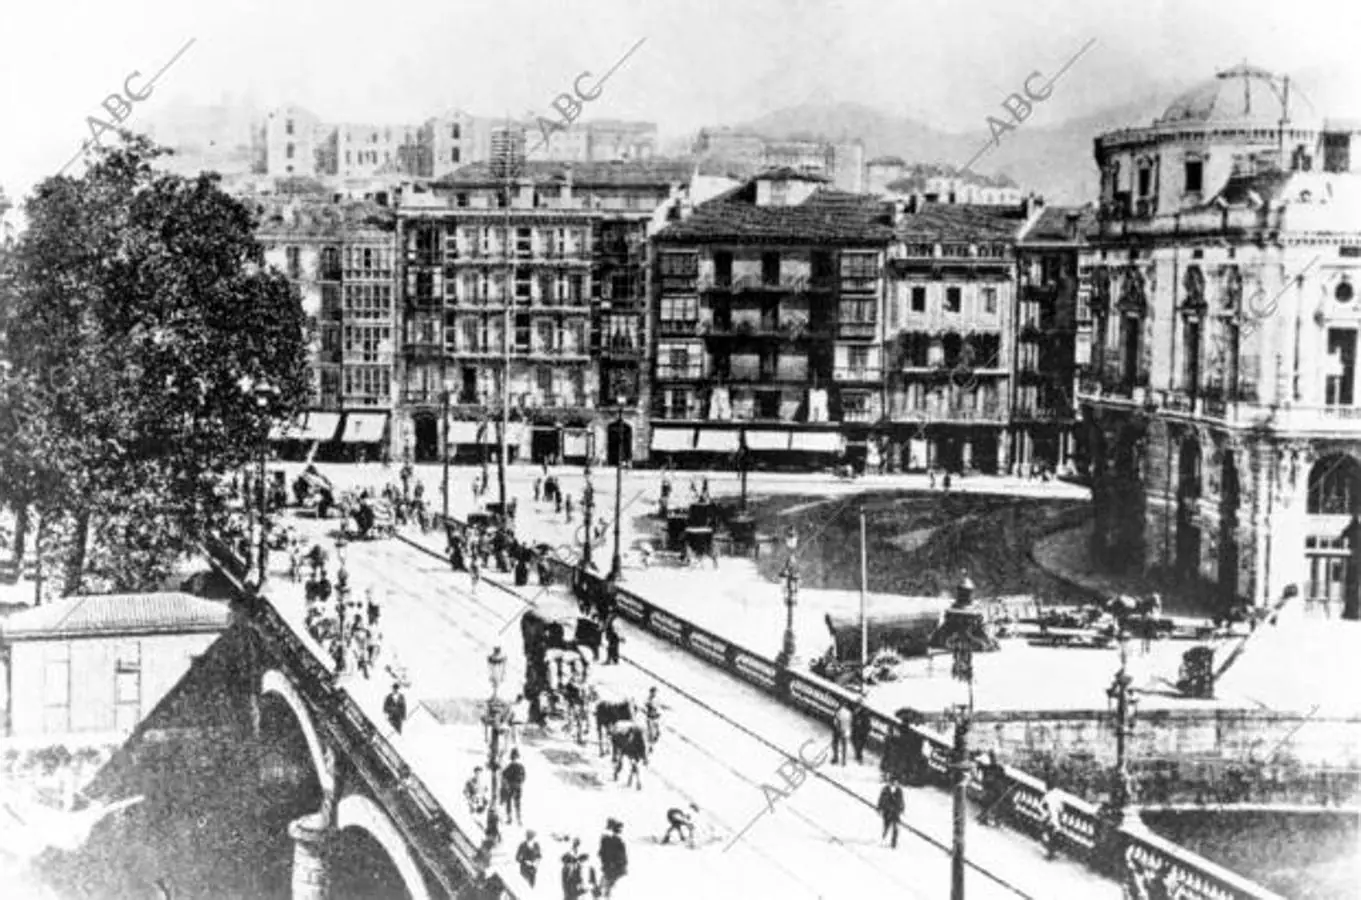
x=427, y=437
x=618, y=443
x=1188, y=494
x=1333, y=541
x=1228, y=533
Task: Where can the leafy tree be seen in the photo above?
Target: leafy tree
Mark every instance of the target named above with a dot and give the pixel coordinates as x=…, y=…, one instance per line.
x=135, y=313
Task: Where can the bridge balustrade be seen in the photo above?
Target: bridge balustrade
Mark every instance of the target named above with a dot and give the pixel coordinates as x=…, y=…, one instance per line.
x=446, y=846
x=1080, y=825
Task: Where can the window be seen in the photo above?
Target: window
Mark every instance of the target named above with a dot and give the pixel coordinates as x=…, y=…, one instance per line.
x=722, y=268
x=680, y=309
x=454, y=155
x=57, y=687
x=288, y=151
x=1191, y=351
x=293, y=258
x=990, y=301
x=953, y=299
x=678, y=361
x=860, y=312
x=288, y=127
x=524, y=241
x=1145, y=181
x=919, y=299
x=770, y=269
x=1195, y=173
x=524, y=281
x=454, y=132
x=1340, y=367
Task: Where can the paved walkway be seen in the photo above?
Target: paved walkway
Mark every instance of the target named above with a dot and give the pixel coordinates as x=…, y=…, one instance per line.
x=722, y=740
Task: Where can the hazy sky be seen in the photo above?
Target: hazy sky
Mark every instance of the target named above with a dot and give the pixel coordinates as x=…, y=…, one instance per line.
x=947, y=62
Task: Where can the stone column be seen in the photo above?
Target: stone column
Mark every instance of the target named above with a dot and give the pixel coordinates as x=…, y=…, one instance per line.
x=311, y=836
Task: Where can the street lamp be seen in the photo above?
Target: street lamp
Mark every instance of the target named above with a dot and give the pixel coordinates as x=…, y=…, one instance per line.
x=265, y=394
x=496, y=671
x=617, y=563
x=791, y=596
x=1123, y=701
x=444, y=448
x=963, y=632
x=588, y=511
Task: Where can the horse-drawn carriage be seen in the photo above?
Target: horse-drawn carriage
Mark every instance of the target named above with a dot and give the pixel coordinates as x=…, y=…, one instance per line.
x=364, y=517
x=314, y=491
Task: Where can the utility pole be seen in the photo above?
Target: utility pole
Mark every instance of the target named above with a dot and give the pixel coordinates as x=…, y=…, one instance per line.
x=506, y=324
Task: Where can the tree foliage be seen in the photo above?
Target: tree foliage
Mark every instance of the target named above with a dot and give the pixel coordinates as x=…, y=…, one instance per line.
x=135, y=313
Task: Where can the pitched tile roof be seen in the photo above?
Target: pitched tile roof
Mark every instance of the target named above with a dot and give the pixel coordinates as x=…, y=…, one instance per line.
x=1052, y=224
x=961, y=222
x=318, y=218
x=116, y=614
x=826, y=215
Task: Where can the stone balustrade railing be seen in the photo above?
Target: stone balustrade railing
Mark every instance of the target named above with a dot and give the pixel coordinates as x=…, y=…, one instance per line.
x=1081, y=827
x=446, y=838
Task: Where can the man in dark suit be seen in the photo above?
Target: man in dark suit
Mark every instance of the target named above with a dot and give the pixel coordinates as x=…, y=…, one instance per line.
x=891, y=807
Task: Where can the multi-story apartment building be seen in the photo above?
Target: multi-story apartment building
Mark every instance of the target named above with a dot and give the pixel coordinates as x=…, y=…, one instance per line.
x=948, y=341
x=366, y=150
x=1223, y=411
x=341, y=258
x=1053, y=340
x=296, y=143
x=451, y=141
x=529, y=289
x=765, y=309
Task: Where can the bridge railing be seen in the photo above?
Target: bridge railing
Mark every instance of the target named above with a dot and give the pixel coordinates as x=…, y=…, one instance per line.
x=1081, y=828
x=448, y=842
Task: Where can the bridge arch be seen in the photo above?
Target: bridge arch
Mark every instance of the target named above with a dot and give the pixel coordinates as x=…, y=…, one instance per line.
x=359, y=812
x=275, y=682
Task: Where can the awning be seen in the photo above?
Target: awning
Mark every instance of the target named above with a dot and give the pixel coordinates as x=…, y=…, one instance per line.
x=714, y=441
x=767, y=440
x=673, y=440
x=462, y=432
x=292, y=430
x=574, y=443
x=321, y=426
x=818, y=441
x=364, y=428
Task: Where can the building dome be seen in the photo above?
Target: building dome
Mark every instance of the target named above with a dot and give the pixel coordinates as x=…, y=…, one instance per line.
x=1242, y=96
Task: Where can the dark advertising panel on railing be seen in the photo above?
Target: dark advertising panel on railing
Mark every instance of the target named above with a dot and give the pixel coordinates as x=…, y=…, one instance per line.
x=1199, y=878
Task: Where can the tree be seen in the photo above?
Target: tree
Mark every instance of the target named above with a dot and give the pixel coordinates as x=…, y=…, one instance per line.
x=132, y=311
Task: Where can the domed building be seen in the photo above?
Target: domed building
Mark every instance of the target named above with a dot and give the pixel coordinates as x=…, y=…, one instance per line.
x=1222, y=405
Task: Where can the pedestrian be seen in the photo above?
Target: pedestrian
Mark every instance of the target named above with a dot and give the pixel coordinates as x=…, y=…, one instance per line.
x=653, y=713
x=994, y=787
x=841, y=730
x=519, y=716
x=528, y=856
x=557, y=501
x=568, y=503
x=614, y=857
x=860, y=731
x=891, y=808
x=474, y=570
x=612, y=641
x=1051, y=804
x=475, y=791
x=538, y=487
x=574, y=872
x=680, y=822
x=371, y=607
x=394, y=707
x=513, y=787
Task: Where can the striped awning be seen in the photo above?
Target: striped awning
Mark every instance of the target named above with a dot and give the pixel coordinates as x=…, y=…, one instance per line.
x=364, y=428
x=818, y=441
x=673, y=440
x=321, y=426
x=767, y=440
x=711, y=440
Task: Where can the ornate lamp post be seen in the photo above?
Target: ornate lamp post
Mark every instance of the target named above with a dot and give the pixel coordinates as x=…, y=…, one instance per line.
x=496, y=672
x=617, y=563
x=963, y=632
x=791, y=597
x=1123, y=701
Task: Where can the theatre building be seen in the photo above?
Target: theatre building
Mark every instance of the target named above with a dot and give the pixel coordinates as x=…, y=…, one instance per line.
x=1223, y=411
x=766, y=322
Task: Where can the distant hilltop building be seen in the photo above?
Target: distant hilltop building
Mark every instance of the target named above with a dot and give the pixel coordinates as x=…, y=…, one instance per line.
x=891, y=176
x=298, y=144
x=748, y=153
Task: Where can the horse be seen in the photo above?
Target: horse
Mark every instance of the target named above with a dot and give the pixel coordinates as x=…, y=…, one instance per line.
x=609, y=713
x=628, y=740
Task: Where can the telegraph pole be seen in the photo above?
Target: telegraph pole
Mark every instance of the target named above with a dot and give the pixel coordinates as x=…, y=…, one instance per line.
x=506, y=324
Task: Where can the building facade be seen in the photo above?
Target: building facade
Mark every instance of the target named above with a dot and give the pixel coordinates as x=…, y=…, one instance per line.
x=948, y=342
x=1222, y=408
x=766, y=311
x=99, y=664
x=341, y=257
x=1053, y=340
x=529, y=289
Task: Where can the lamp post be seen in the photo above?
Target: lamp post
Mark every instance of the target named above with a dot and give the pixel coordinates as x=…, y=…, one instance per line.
x=496, y=672
x=444, y=449
x=617, y=563
x=264, y=393
x=963, y=632
x=1123, y=700
x=588, y=512
x=791, y=597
